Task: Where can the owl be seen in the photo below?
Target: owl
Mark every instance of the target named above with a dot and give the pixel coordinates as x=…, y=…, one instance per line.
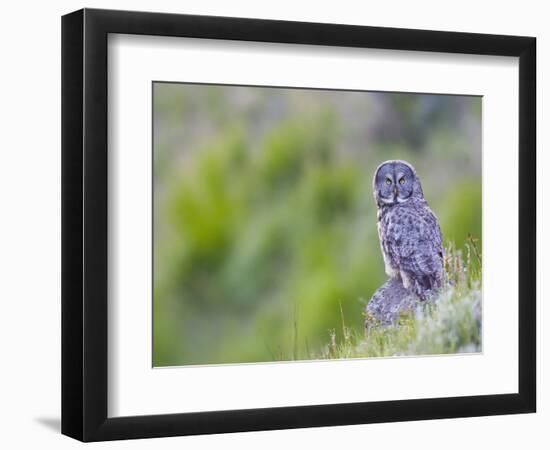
x=410, y=236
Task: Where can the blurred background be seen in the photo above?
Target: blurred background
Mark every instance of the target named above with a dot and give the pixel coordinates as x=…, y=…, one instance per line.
x=265, y=234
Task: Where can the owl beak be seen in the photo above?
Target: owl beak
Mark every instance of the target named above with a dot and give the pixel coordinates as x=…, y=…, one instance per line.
x=395, y=191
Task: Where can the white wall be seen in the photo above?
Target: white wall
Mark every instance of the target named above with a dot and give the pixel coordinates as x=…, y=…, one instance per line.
x=30, y=223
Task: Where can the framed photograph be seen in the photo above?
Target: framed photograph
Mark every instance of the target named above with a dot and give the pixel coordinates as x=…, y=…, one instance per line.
x=272, y=224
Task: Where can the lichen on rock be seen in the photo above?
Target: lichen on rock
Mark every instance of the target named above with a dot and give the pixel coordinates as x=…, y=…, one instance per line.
x=388, y=303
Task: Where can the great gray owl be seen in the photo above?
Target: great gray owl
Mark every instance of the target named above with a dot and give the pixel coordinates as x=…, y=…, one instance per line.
x=410, y=237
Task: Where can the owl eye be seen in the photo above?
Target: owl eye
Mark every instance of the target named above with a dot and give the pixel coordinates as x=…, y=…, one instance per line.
x=388, y=181
x=402, y=181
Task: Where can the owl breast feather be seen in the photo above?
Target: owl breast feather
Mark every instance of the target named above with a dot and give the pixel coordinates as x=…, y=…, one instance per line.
x=410, y=239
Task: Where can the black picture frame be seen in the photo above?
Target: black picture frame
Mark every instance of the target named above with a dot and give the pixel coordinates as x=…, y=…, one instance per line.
x=84, y=224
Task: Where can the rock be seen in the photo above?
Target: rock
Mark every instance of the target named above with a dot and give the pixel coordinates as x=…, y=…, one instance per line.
x=388, y=302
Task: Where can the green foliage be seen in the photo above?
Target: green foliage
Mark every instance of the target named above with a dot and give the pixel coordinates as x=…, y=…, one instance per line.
x=264, y=225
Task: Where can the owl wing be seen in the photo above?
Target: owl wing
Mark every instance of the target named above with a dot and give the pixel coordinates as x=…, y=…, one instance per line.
x=417, y=247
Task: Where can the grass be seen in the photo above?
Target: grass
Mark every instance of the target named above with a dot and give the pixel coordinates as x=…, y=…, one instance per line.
x=450, y=324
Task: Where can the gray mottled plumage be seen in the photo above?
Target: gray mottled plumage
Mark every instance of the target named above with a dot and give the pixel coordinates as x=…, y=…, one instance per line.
x=410, y=237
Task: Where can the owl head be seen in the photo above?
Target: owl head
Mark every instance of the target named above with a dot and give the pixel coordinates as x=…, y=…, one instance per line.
x=396, y=182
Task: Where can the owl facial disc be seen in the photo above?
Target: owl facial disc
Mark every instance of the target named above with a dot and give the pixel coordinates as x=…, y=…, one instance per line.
x=395, y=182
